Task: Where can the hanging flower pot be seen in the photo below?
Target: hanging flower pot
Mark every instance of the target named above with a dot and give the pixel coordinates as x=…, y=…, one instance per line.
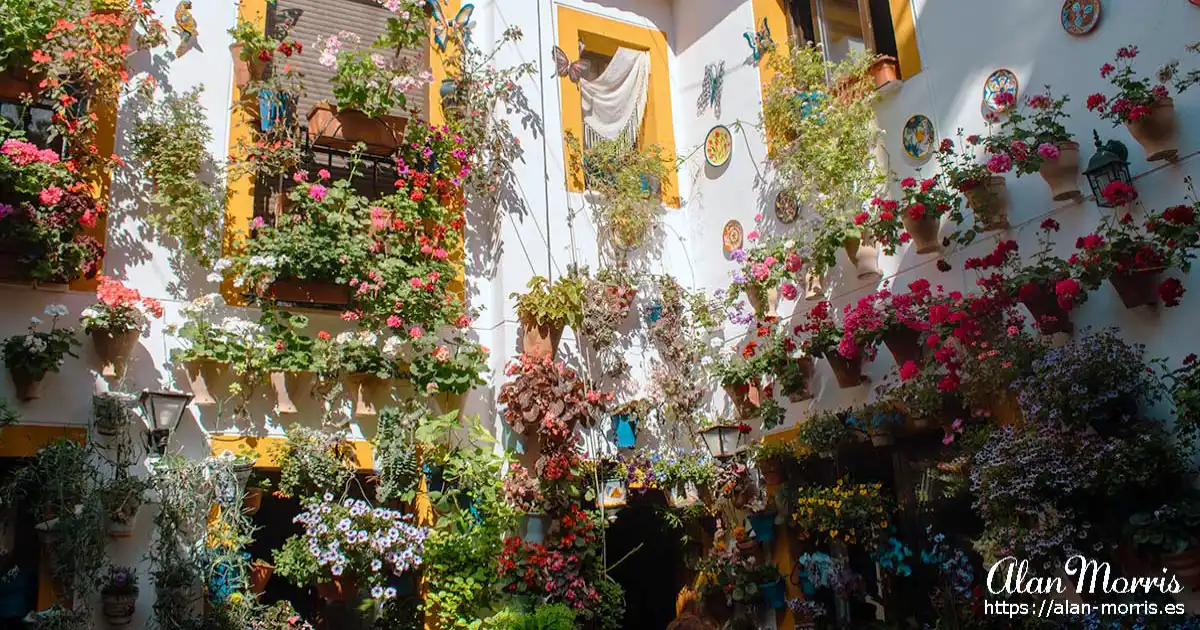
x=765, y=302
x=814, y=289
x=614, y=494
x=114, y=349
x=118, y=608
x=763, y=524
x=989, y=199
x=848, y=372
x=343, y=128
x=885, y=69
x=339, y=589
x=306, y=293
x=1047, y=314
x=203, y=377
x=122, y=526
x=363, y=388
x=772, y=471
x=882, y=435
x=111, y=412
x=252, y=501
x=287, y=385
x=1158, y=132
x=246, y=70
x=1062, y=173
x=808, y=368
x=904, y=343
x=260, y=574
x=533, y=527
x=746, y=398
x=274, y=109
x=625, y=429
x=1138, y=288
x=772, y=593
x=865, y=258
x=1185, y=565
x=540, y=341
x=924, y=232
x=28, y=387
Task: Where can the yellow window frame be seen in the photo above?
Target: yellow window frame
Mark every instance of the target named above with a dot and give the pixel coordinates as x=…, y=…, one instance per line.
x=603, y=35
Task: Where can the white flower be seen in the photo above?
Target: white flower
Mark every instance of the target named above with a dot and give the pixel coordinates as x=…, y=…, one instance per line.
x=56, y=310
x=214, y=277
x=368, y=338
x=222, y=265
x=35, y=320
x=392, y=347
x=344, y=338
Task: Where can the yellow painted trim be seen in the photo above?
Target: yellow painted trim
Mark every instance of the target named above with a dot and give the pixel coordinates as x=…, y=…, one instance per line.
x=24, y=440
x=905, y=26
x=603, y=35
x=438, y=68
x=266, y=448
x=776, y=13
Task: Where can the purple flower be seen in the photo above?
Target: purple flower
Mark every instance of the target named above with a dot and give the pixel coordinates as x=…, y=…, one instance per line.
x=738, y=255
x=739, y=278
x=5, y=210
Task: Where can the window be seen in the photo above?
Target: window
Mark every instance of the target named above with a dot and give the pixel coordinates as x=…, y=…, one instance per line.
x=843, y=27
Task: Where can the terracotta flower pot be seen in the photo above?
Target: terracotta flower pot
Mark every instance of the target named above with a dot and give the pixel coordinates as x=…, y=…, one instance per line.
x=260, y=574
x=865, y=257
x=252, y=502
x=772, y=471
x=765, y=302
x=814, y=289
x=344, y=128
x=746, y=398
x=989, y=199
x=28, y=388
x=286, y=386
x=114, y=350
x=882, y=436
x=338, y=589
x=747, y=547
x=1158, y=133
x=904, y=343
x=1136, y=289
x=304, y=292
x=808, y=368
x=364, y=387
x=885, y=69
x=245, y=71
x=1006, y=411
x=203, y=377
x=118, y=609
x=123, y=529
x=1047, y=314
x=924, y=232
x=1062, y=173
x=1185, y=565
x=540, y=341
x=848, y=372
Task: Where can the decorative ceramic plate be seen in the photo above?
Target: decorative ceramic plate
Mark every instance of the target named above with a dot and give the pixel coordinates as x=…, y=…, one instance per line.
x=919, y=137
x=718, y=146
x=1000, y=82
x=1079, y=17
x=731, y=236
x=787, y=207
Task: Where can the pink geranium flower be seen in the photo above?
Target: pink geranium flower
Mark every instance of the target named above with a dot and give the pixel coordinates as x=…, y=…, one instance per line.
x=317, y=192
x=1048, y=151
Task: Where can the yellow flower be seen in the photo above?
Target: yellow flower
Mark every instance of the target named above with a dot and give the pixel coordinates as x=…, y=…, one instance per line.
x=235, y=598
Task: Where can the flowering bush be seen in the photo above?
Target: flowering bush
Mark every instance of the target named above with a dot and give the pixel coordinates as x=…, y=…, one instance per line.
x=37, y=352
x=558, y=571
x=844, y=512
x=437, y=368
x=1045, y=278
x=876, y=315
x=23, y=27
x=120, y=308
x=1135, y=95
x=823, y=335
x=627, y=180
x=1032, y=134
x=353, y=541
x=373, y=79
x=547, y=397
x=204, y=336
x=521, y=490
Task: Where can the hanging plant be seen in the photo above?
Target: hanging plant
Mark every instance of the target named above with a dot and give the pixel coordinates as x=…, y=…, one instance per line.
x=312, y=461
x=627, y=181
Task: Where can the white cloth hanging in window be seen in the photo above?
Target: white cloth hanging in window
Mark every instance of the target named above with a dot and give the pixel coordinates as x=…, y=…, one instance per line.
x=615, y=102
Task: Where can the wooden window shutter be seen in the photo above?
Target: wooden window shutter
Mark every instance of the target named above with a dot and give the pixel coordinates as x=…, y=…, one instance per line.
x=314, y=20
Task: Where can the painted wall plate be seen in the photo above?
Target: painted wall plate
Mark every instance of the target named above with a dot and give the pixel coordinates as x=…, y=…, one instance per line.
x=731, y=236
x=1000, y=82
x=787, y=207
x=1079, y=17
x=718, y=146
x=919, y=137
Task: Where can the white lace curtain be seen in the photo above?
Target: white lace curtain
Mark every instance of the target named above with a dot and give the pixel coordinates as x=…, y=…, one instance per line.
x=615, y=102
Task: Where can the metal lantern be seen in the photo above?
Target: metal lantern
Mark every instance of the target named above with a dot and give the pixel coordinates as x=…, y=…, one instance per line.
x=163, y=411
x=1110, y=164
x=722, y=440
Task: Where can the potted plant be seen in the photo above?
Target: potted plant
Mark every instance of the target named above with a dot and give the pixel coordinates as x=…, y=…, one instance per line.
x=607, y=301
x=112, y=412
x=791, y=367
x=447, y=370
x=984, y=188
x=1144, y=107
x=369, y=84
x=123, y=497
x=884, y=69
x=355, y=567
x=116, y=322
x=254, y=51
x=619, y=174
x=1044, y=285
x=741, y=377
x=893, y=319
x=823, y=433
x=845, y=512
x=877, y=421
x=522, y=493
x=770, y=457
x=626, y=419
x=545, y=309
x=806, y=612
x=31, y=356
x=925, y=203
x=547, y=396
x=256, y=487
x=766, y=270
x=260, y=573
x=824, y=340
x=361, y=360
x=291, y=359
x=1035, y=141
x=1169, y=532
x=763, y=517
x=737, y=579
x=689, y=476
x=119, y=595
x=311, y=461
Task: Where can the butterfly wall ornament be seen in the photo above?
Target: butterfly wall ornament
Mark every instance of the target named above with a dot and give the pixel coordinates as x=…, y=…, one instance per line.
x=760, y=41
x=564, y=67
x=710, y=90
x=442, y=27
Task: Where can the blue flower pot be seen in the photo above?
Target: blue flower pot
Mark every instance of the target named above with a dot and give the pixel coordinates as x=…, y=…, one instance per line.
x=763, y=525
x=772, y=593
x=273, y=109
x=15, y=595
x=626, y=430
x=434, y=481
x=223, y=583
x=533, y=528
x=654, y=313
x=650, y=185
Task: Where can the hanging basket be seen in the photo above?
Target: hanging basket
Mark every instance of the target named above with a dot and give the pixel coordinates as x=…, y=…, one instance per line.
x=1062, y=173
x=614, y=494
x=1139, y=288
x=848, y=372
x=118, y=609
x=865, y=257
x=989, y=199
x=114, y=349
x=924, y=232
x=286, y=386
x=28, y=387
x=203, y=377
x=765, y=302
x=1158, y=133
x=540, y=341
x=904, y=343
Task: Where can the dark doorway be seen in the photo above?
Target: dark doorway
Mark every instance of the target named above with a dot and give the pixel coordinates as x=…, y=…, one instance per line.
x=651, y=575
